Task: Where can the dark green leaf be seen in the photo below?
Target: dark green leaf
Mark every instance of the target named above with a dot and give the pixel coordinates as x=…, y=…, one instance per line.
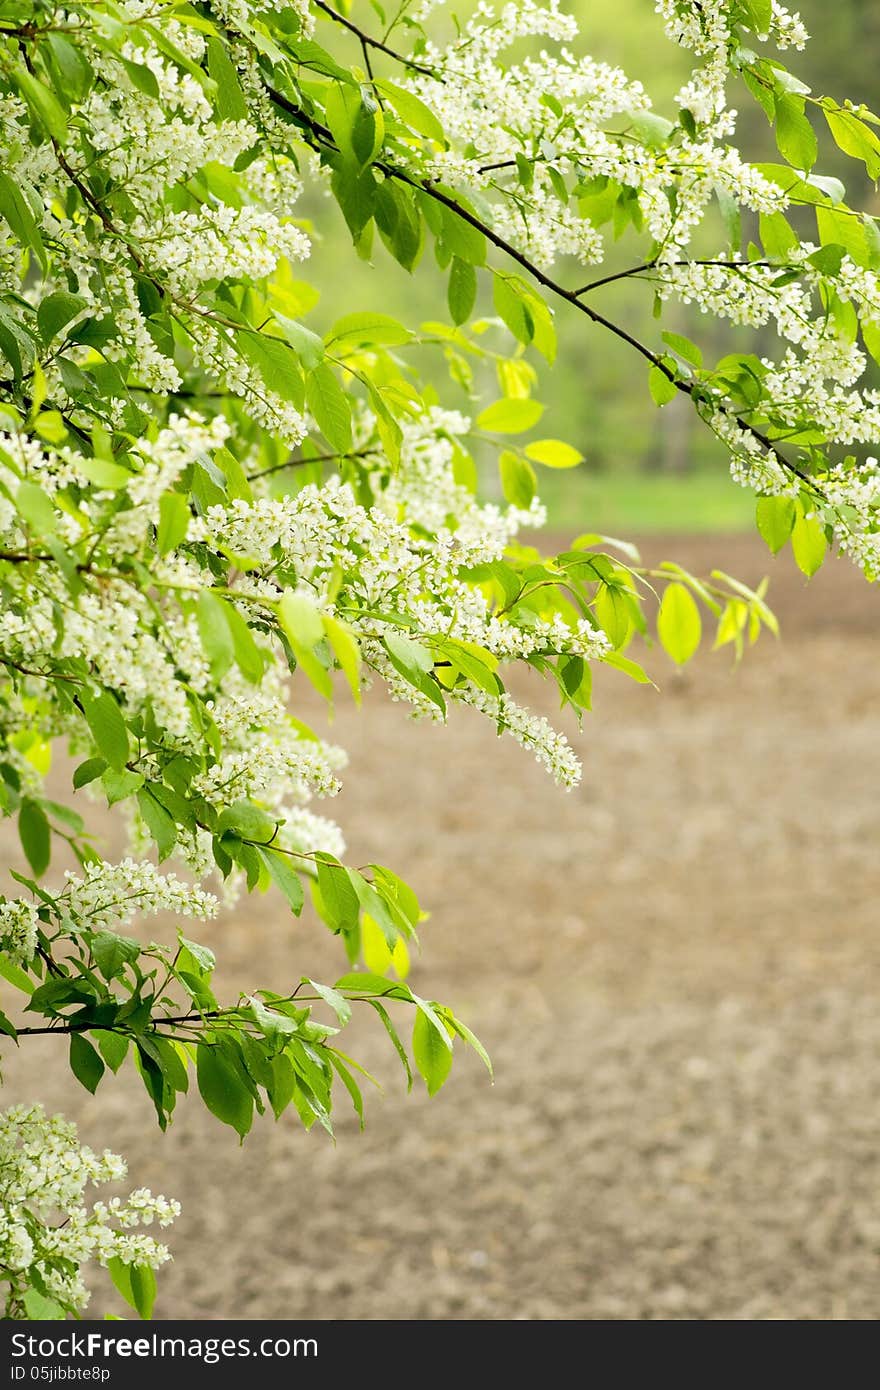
x=85, y=1063
x=222, y=1088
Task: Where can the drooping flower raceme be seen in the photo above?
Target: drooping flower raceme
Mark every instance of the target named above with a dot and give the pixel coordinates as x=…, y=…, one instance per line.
x=48, y=1231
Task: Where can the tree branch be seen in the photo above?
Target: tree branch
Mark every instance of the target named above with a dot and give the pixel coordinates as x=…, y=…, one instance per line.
x=367, y=41
x=427, y=187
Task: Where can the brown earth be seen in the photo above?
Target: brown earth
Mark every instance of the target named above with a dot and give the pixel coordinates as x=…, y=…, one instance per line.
x=676, y=969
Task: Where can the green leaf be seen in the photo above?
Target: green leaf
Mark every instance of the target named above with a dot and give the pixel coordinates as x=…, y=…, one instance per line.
x=349, y=1083
x=346, y=650
x=338, y=897
x=14, y=975
x=113, y=1047
x=285, y=877
x=461, y=294
x=222, y=1088
x=510, y=416
x=16, y=209
x=760, y=14
x=159, y=823
x=230, y=102
x=107, y=727
x=330, y=407
x=795, y=137
x=554, y=453
x=855, y=138
x=248, y=656
x=613, y=613
x=808, y=543
x=412, y=110
x=174, y=518
x=85, y=1062
x=306, y=344
x=775, y=517
x=662, y=388
x=628, y=667
x=679, y=626
x=513, y=308
x=653, y=130
x=36, y=507
x=368, y=328
x=112, y=952
x=828, y=259
x=301, y=620
x=248, y=821
x=42, y=1309
x=411, y=655
x=337, y=1002
x=684, y=347
x=395, y=1040
x=35, y=836
x=433, y=1057
x=142, y=77
x=120, y=785
x=518, y=479
x=44, y=105
x=214, y=632
x=55, y=312
x=136, y=1284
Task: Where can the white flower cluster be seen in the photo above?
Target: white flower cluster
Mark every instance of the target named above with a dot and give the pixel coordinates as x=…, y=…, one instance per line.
x=46, y=1228
x=390, y=569
x=574, y=119
x=19, y=925
x=192, y=249
x=110, y=895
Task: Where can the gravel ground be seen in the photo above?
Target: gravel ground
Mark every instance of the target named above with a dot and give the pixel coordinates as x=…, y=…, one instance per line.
x=676, y=970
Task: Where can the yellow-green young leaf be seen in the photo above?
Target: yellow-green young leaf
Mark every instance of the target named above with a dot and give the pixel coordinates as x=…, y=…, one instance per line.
x=346, y=651
x=301, y=620
x=808, y=543
x=554, y=453
x=662, y=389
x=104, y=473
x=679, y=626
x=36, y=507
x=731, y=625
x=510, y=416
x=433, y=1055
x=355, y=330
x=612, y=612
x=774, y=517
x=378, y=956
x=517, y=479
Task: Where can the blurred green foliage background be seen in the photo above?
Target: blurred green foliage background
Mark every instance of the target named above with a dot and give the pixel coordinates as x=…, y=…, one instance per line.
x=645, y=470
